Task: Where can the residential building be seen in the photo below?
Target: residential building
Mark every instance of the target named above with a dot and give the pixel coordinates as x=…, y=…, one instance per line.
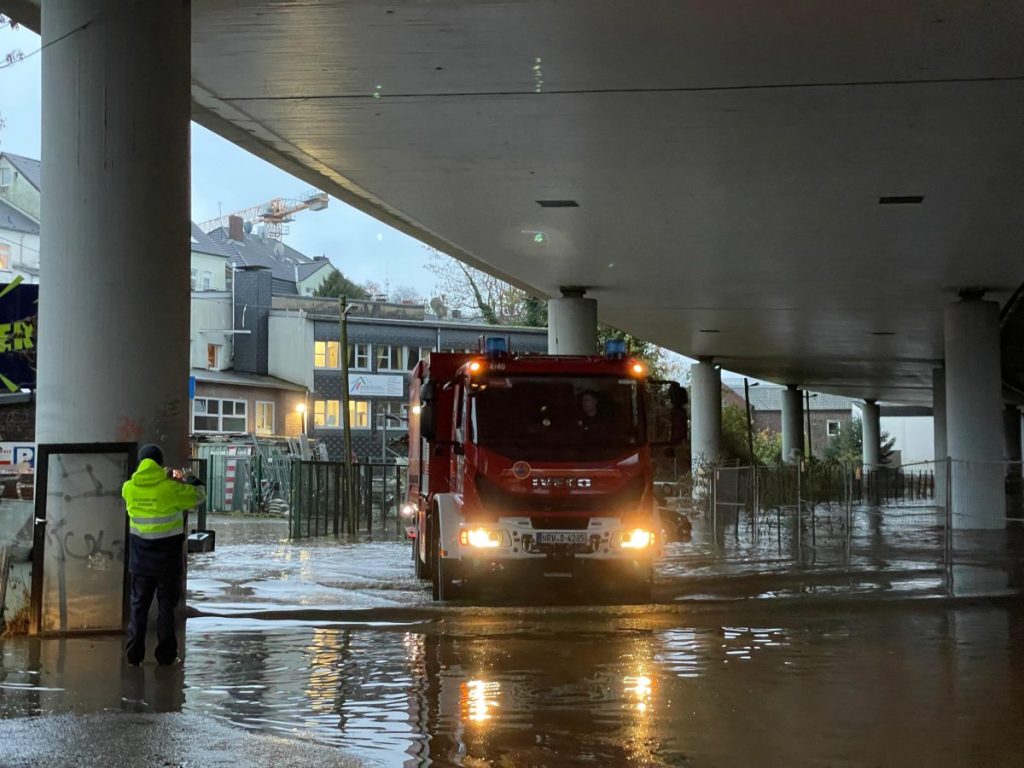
x=19, y=218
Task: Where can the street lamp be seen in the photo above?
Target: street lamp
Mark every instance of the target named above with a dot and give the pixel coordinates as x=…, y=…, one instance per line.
x=301, y=410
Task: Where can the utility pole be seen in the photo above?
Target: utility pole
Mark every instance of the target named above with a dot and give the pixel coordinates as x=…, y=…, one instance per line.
x=346, y=426
x=807, y=411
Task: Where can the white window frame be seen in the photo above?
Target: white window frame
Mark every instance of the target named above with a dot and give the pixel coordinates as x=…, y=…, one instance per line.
x=353, y=408
x=323, y=410
x=829, y=424
x=385, y=406
x=218, y=351
x=360, y=350
x=6, y=177
x=328, y=346
x=207, y=280
x=220, y=415
x=261, y=406
x=195, y=278
x=403, y=356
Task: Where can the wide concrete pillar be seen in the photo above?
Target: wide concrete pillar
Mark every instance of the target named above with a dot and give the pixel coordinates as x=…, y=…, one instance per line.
x=871, y=445
x=1011, y=433
x=974, y=419
x=792, y=425
x=572, y=324
x=705, y=412
x=113, y=357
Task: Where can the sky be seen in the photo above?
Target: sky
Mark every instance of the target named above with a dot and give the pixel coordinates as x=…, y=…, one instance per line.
x=227, y=179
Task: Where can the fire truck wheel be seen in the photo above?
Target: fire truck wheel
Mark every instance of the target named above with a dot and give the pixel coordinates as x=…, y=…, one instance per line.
x=444, y=586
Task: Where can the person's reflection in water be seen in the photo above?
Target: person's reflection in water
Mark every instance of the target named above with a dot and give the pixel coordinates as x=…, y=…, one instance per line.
x=153, y=689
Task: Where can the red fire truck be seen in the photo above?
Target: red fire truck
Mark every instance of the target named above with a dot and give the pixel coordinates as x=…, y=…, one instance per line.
x=535, y=466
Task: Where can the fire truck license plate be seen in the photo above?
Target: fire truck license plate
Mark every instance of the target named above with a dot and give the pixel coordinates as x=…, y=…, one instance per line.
x=561, y=538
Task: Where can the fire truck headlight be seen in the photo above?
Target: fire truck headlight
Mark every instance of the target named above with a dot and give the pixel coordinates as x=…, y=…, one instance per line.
x=481, y=538
x=408, y=510
x=637, y=538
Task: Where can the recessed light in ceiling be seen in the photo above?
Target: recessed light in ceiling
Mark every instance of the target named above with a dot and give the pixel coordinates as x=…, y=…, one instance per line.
x=709, y=330
x=558, y=204
x=901, y=200
x=883, y=333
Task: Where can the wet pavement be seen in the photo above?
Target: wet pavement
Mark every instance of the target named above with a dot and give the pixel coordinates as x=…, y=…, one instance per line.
x=753, y=654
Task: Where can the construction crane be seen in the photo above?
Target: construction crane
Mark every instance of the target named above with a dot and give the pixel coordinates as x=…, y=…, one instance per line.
x=274, y=215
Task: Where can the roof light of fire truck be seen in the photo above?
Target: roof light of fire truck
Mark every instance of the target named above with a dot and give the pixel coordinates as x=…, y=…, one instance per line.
x=475, y=366
x=615, y=348
x=495, y=346
x=481, y=538
x=638, y=538
x=637, y=369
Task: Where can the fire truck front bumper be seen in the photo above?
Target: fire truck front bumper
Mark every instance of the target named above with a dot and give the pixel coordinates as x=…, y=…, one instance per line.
x=515, y=540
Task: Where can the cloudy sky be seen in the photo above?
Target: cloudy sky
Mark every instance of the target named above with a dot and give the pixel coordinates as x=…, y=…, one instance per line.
x=226, y=178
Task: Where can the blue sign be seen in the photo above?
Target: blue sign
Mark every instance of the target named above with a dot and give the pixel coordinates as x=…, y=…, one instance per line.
x=191, y=387
x=19, y=324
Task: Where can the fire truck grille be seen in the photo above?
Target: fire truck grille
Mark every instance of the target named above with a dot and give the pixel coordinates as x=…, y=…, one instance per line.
x=498, y=500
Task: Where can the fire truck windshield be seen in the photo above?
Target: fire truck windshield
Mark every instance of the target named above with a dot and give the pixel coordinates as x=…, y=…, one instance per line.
x=554, y=417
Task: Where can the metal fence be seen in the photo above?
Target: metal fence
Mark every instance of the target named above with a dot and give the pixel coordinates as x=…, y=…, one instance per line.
x=931, y=516
x=318, y=500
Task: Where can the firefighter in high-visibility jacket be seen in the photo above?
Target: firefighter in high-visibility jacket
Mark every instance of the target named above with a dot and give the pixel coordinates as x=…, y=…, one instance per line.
x=156, y=503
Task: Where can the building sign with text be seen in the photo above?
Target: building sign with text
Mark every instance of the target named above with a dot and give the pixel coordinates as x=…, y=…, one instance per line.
x=375, y=385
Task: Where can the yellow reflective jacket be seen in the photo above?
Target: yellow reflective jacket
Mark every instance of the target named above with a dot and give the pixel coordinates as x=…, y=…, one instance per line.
x=156, y=503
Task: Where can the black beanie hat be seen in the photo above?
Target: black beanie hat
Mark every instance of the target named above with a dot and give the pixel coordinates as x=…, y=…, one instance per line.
x=150, y=451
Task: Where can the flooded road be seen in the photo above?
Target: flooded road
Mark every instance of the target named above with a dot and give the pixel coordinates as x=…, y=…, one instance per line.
x=759, y=672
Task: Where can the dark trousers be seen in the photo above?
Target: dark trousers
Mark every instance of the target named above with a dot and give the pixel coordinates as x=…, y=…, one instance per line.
x=167, y=588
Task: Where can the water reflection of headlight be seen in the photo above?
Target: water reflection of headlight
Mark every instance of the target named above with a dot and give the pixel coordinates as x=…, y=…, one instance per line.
x=479, y=700
x=640, y=690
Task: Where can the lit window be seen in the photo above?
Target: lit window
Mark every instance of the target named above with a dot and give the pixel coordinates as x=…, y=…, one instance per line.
x=5, y=256
x=359, y=414
x=264, y=417
x=325, y=354
x=213, y=356
x=390, y=357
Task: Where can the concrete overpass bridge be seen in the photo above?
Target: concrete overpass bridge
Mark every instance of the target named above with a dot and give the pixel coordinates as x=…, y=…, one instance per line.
x=823, y=195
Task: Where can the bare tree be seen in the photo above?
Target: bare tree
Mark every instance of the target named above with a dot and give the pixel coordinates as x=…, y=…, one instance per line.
x=477, y=293
x=405, y=294
x=10, y=58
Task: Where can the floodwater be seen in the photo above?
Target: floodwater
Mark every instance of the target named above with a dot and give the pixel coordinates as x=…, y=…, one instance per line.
x=872, y=664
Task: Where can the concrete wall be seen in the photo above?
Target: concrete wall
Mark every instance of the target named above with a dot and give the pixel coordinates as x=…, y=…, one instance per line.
x=21, y=194
x=210, y=312
x=914, y=439
x=290, y=337
x=215, y=265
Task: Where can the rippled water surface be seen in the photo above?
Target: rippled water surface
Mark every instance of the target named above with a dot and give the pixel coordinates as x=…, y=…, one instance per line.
x=342, y=646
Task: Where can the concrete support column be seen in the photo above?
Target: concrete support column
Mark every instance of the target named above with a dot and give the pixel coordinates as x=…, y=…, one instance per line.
x=871, y=447
x=705, y=412
x=939, y=433
x=792, y=425
x=1011, y=433
x=113, y=360
x=572, y=324
x=974, y=404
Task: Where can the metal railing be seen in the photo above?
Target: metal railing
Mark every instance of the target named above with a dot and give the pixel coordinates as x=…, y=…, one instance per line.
x=317, y=501
x=932, y=515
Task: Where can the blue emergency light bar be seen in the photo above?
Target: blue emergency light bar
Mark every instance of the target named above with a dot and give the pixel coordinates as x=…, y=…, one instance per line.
x=615, y=349
x=496, y=346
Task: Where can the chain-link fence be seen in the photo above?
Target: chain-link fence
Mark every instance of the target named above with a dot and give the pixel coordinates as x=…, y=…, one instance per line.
x=319, y=504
